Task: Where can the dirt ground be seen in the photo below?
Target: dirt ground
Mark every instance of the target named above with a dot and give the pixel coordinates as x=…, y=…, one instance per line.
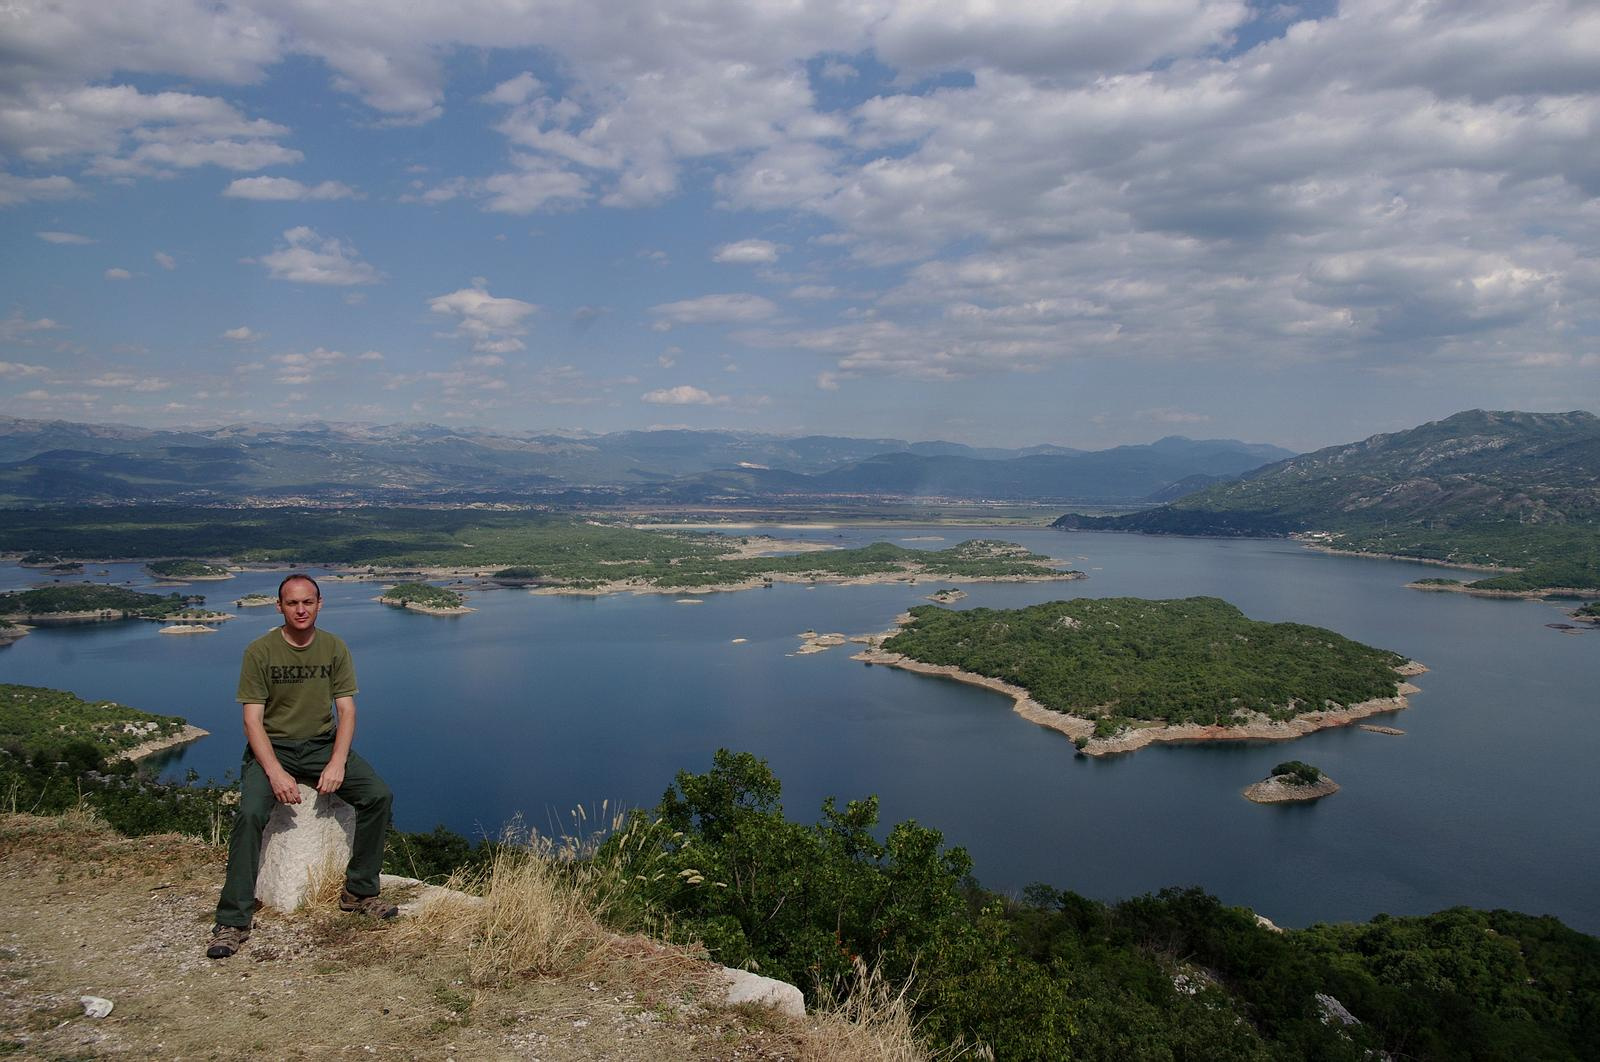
x=84, y=912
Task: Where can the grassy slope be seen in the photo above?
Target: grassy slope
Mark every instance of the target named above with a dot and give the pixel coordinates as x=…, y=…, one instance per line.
x=128, y=920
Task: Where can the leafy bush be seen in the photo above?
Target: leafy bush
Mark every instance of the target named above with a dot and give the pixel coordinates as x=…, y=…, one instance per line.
x=1296, y=772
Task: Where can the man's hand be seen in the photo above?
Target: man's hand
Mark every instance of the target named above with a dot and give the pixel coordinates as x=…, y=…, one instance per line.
x=284, y=787
x=332, y=778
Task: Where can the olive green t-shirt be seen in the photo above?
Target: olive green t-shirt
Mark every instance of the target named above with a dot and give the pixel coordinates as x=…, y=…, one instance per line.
x=297, y=686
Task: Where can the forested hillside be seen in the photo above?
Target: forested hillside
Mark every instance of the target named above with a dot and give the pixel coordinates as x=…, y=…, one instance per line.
x=1517, y=490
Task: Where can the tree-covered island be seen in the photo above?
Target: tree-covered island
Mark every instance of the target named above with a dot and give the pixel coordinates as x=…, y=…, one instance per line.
x=1115, y=674
x=1292, y=782
x=421, y=597
x=183, y=568
x=91, y=601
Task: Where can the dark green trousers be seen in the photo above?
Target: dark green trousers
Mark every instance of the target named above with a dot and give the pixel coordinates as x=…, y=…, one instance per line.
x=362, y=790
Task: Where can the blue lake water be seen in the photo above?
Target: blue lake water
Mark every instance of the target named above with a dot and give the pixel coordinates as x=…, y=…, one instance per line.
x=537, y=704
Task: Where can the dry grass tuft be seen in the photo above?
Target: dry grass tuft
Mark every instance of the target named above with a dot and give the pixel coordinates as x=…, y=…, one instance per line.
x=326, y=883
x=535, y=912
x=867, y=1019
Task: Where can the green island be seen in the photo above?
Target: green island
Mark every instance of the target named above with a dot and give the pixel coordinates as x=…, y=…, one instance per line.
x=99, y=602
x=566, y=551
x=1049, y=974
x=255, y=600
x=186, y=569
x=1117, y=673
x=1292, y=782
x=424, y=598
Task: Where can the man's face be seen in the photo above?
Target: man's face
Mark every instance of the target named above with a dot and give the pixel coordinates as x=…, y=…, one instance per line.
x=299, y=603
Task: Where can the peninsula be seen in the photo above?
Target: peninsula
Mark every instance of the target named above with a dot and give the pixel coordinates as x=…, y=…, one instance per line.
x=1117, y=674
x=46, y=723
x=91, y=601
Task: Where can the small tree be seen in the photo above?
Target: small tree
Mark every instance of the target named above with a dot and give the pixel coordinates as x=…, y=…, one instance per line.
x=1297, y=773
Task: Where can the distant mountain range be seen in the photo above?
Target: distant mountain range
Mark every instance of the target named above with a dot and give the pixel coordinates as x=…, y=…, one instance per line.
x=56, y=462
x=1507, y=488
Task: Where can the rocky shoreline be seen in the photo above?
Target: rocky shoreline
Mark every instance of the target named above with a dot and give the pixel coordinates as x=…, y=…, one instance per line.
x=430, y=610
x=161, y=744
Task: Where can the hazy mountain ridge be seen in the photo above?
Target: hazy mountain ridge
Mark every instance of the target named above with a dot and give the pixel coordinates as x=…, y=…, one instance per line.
x=58, y=462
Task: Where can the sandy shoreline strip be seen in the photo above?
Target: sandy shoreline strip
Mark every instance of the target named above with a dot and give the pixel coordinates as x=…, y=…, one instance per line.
x=628, y=586
x=1260, y=729
x=1335, y=551
x=154, y=745
x=430, y=610
x=1526, y=595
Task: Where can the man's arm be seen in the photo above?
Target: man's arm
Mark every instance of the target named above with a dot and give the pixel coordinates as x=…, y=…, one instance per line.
x=284, y=787
x=344, y=733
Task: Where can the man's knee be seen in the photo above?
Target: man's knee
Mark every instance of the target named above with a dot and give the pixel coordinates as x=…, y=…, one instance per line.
x=251, y=819
x=372, y=795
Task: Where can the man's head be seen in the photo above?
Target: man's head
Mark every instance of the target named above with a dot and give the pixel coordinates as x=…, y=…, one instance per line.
x=299, y=600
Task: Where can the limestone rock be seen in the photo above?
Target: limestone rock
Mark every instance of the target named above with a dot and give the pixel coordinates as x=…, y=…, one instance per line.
x=301, y=842
x=746, y=987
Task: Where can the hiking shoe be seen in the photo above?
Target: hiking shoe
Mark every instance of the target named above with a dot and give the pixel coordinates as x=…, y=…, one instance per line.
x=371, y=906
x=225, y=940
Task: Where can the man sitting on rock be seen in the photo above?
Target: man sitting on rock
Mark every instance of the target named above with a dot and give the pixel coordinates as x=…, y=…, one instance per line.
x=289, y=677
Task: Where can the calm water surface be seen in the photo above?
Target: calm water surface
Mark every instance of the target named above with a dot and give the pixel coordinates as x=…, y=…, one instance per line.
x=537, y=704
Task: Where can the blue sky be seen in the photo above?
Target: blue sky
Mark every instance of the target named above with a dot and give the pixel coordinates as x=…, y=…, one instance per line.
x=1079, y=222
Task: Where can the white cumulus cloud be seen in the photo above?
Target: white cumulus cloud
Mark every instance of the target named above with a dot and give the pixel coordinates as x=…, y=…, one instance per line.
x=715, y=309
x=746, y=252
x=683, y=395
x=493, y=324
x=285, y=189
x=306, y=257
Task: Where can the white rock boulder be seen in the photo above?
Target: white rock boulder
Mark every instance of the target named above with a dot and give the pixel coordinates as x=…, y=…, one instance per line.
x=746, y=987
x=303, y=842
